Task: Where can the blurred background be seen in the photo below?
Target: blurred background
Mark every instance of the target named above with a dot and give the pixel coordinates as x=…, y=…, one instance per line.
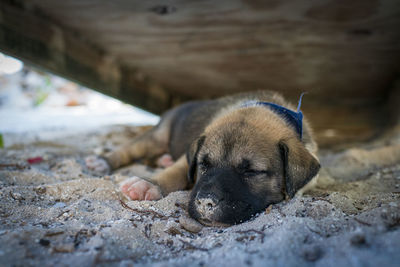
x=35, y=101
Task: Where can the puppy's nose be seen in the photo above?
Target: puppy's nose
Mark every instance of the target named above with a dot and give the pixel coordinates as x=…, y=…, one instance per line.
x=207, y=203
x=206, y=206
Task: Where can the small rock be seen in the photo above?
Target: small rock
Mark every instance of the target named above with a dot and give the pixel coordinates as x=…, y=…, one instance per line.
x=312, y=253
x=268, y=209
x=173, y=231
x=190, y=225
x=40, y=189
x=358, y=238
x=64, y=248
x=44, y=242
x=54, y=232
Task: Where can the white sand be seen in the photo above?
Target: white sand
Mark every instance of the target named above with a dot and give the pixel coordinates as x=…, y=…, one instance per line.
x=56, y=213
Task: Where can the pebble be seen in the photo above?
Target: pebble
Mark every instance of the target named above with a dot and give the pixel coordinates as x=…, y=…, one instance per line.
x=44, y=242
x=40, y=189
x=190, y=224
x=173, y=231
x=64, y=248
x=312, y=253
x=358, y=238
x=268, y=209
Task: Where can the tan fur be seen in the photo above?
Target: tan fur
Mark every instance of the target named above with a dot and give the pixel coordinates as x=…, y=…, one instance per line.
x=150, y=145
x=173, y=178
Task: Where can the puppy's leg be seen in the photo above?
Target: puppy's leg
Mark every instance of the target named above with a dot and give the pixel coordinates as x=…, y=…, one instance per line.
x=149, y=145
x=172, y=179
x=152, y=143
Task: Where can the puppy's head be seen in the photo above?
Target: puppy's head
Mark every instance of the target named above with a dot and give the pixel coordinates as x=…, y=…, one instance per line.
x=244, y=162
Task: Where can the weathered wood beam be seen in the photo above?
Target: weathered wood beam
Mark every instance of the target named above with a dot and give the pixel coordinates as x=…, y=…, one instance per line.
x=345, y=55
x=31, y=36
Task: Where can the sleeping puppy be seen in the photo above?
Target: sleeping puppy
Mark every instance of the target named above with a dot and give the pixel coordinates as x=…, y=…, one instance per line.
x=239, y=154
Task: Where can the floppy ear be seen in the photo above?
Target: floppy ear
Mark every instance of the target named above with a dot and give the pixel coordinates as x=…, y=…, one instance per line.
x=191, y=157
x=299, y=166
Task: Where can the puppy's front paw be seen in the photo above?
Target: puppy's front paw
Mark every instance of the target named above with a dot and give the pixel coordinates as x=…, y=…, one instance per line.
x=138, y=189
x=97, y=165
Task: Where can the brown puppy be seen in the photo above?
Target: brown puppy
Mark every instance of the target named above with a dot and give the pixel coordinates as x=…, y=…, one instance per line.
x=239, y=154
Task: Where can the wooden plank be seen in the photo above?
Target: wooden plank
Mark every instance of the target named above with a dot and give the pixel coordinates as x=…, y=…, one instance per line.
x=347, y=52
x=37, y=39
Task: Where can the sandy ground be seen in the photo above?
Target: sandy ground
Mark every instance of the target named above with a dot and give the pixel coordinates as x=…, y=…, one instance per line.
x=53, y=212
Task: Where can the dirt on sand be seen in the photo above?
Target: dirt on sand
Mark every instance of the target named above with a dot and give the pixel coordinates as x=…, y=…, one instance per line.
x=53, y=212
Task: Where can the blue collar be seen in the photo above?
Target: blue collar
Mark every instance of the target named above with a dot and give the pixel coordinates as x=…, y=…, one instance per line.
x=295, y=119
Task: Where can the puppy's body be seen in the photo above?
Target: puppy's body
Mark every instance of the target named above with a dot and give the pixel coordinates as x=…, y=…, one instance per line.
x=239, y=158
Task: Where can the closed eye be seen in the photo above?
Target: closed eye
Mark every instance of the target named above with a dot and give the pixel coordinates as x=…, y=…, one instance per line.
x=205, y=162
x=255, y=172
x=246, y=170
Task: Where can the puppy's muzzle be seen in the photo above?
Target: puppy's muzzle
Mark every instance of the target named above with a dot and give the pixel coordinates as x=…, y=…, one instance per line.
x=207, y=206
x=216, y=198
